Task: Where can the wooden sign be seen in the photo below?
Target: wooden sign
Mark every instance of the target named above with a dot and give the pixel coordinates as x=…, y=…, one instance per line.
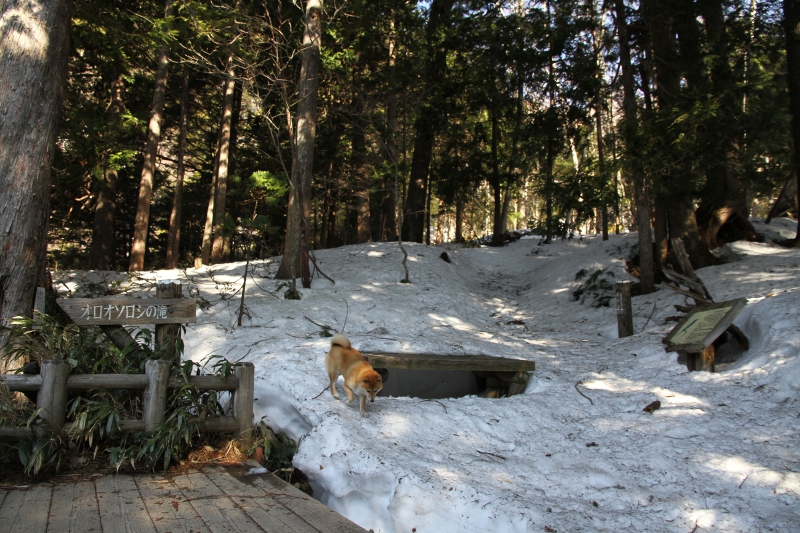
x=701, y=327
x=129, y=311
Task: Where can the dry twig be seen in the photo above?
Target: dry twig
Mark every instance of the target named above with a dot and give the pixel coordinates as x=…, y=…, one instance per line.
x=582, y=394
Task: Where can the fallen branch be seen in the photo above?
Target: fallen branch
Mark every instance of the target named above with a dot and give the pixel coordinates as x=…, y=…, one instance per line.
x=492, y=454
x=651, y=316
x=582, y=394
x=440, y=403
x=316, y=267
x=320, y=394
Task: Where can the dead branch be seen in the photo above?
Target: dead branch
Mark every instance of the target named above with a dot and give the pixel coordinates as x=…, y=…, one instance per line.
x=582, y=394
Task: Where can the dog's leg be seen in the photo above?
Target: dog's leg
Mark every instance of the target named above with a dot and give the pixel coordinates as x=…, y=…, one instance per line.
x=349, y=393
x=333, y=377
x=364, y=406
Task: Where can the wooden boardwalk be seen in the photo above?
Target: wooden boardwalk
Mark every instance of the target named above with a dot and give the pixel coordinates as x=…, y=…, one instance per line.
x=212, y=499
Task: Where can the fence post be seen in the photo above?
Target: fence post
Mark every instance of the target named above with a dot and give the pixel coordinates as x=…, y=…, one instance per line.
x=243, y=401
x=624, y=312
x=155, y=395
x=38, y=307
x=52, y=397
x=168, y=334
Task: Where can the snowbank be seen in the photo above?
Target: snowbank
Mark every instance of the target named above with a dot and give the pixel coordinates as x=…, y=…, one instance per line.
x=720, y=454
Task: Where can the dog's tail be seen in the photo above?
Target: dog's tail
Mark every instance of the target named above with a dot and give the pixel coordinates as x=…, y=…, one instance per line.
x=340, y=340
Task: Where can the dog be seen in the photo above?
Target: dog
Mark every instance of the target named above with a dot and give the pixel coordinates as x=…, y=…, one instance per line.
x=359, y=377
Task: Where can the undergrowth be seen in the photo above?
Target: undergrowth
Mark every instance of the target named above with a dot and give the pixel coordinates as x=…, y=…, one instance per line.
x=95, y=415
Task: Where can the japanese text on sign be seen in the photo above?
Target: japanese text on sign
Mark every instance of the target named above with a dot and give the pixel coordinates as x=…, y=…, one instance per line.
x=117, y=312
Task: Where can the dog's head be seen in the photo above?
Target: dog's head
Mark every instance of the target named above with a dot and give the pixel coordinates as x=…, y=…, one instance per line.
x=372, y=383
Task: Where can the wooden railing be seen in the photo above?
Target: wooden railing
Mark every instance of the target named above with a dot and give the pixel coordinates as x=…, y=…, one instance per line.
x=55, y=381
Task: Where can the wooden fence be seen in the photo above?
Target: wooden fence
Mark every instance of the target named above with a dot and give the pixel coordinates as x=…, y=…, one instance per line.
x=55, y=381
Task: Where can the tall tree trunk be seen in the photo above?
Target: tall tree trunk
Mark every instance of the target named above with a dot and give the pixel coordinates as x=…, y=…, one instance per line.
x=389, y=206
x=459, y=221
x=103, y=231
x=597, y=46
x=223, y=162
x=661, y=17
x=427, y=121
x=295, y=256
x=791, y=18
x=722, y=216
x=496, y=182
x=174, y=236
x=208, y=227
x=150, y=154
x=34, y=52
x=362, y=173
x=631, y=125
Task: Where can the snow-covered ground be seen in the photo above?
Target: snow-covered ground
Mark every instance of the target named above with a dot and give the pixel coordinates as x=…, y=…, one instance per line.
x=721, y=454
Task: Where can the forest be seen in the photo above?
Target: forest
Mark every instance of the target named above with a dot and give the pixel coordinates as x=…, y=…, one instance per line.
x=190, y=132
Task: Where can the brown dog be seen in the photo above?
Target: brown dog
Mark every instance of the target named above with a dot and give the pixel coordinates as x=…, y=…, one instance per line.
x=359, y=377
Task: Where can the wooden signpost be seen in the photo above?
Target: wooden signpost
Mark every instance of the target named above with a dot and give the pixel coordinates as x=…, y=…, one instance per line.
x=167, y=311
x=129, y=311
x=696, y=332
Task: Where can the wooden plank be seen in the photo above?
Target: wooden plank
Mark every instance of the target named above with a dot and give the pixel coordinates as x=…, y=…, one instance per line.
x=447, y=362
x=25, y=511
x=17, y=433
x=693, y=284
x=17, y=382
x=697, y=297
x=259, y=505
x=107, y=381
x=324, y=519
x=121, y=507
x=218, y=511
x=129, y=311
x=683, y=258
x=74, y=509
x=167, y=507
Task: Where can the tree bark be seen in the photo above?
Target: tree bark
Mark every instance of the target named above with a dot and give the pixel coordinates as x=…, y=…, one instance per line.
x=679, y=197
x=496, y=183
x=361, y=179
x=102, y=246
x=34, y=52
x=389, y=205
x=295, y=256
x=791, y=20
x=722, y=216
x=631, y=125
x=174, y=237
x=223, y=162
x=142, y=221
x=427, y=121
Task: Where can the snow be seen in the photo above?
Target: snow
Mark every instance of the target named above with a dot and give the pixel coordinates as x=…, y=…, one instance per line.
x=719, y=455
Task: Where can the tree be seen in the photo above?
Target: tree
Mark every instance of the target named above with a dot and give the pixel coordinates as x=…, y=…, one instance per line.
x=631, y=134
x=428, y=119
x=34, y=48
x=174, y=238
x=791, y=21
x=295, y=256
x=103, y=231
x=139, y=245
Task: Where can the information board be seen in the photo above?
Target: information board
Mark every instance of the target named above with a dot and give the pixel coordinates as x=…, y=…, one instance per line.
x=703, y=325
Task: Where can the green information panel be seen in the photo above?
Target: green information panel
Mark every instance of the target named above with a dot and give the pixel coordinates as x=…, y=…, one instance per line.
x=703, y=325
